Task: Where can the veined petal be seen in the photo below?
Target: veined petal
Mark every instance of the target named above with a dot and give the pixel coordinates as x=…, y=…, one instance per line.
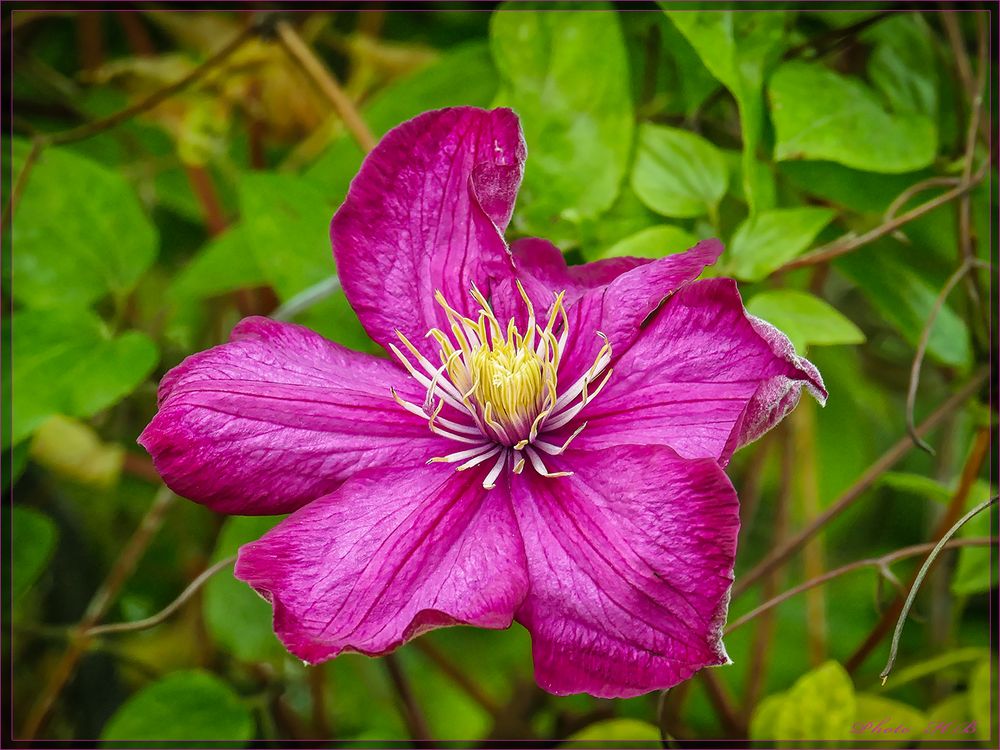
x=703, y=377
x=277, y=417
x=391, y=554
x=613, y=297
x=427, y=212
x=630, y=562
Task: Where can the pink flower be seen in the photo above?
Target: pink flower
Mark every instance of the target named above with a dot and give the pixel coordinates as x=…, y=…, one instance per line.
x=548, y=448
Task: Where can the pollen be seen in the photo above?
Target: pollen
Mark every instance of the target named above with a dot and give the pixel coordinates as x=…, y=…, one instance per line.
x=501, y=386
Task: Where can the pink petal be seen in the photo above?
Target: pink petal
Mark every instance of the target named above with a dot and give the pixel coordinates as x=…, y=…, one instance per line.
x=277, y=417
x=427, y=212
x=703, y=377
x=630, y=561
x=391, y=554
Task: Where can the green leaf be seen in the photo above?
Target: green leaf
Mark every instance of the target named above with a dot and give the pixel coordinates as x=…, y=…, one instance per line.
x=79, y=231
x=820, y=705
x=949, y=717
x=905, y=299
x=770, y=239
x=239, y=619
x=654, y=242
x=632, y=731
x=739, y=48
x=903, y=64
x=678, y=173
x=34, y=535
x=285, y=223
x=819, y=114
x=887, y=722
x=981, y=708
x=915, y=484
x=946, y=661
x=575, y=107
x=226, y=263
x=804, y=318
x=66, y=362
x=183, y=706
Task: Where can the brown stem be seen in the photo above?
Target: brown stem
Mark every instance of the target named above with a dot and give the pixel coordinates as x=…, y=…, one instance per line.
x=317, y=692
x=457, y=676
x=851, y=242
x=804, y=430
x=141, y=466
x=412, y=714
x=918, y=187
x=980, y=449
x=90, y=39
x=918, y=357
x=98, y=607
x=21, y=181
x=326, y=84
x=872, y=562
x=208, y=198
x=722, y=702
x=763, y=635
x=136, y=34
x=831, y=40
x=785, y=551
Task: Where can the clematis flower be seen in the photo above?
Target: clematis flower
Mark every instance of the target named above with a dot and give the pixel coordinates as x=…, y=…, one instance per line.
x=546, y=444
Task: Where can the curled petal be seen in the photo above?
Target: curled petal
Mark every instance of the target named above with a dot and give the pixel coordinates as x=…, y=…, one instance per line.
x=277, y=417
x=703, y=378
x=427, y=212
x=393, y=553
x=630, y=562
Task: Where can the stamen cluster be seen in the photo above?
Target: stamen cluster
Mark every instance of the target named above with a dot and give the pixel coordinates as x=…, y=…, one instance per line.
x=504, y=386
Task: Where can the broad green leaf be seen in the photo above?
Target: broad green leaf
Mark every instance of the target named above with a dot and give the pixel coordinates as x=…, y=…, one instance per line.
x=982, y=698
x=627, y=216
x=819, y=114
x=862, y=192
x=804, y=318
x=770, y=239
x=915, y=484
x=764, y=190
x=235, y=615
x=678, y=173
x=739, y=48
x=947, y=719
x=183, y=706
x=67, y=362
x=566, y=75
x=903, y=64
x=226, y=263
x=79, y=232
x=905, y=299
x=820, y=705
x=631, y=731
x=654, y=242
x=691, y=80
x=34, y=536
x=949, y=660
x=286, y=224
x=886, y=722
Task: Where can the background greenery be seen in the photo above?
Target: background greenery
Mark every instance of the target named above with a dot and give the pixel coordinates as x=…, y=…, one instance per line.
x=779, y=131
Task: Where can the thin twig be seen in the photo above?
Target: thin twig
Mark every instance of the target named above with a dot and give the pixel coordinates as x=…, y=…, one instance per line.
x=722, y=702
x=166, y=612
x=918, y=187
x=785, y=551
x=925, y=337
x=967, y=479
x=21, y=181
x=851, y=242
x=98, y=607
x=458, y=677
x=871, y=562
x=921, y=574
x=412, y=714
x=327, y=85
x=827, y=42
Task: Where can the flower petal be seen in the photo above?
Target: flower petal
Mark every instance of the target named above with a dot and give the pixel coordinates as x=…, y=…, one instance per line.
x=704, y=377
x=427, y=212
x=630, y=561
x=277, y=417
x=391, y=554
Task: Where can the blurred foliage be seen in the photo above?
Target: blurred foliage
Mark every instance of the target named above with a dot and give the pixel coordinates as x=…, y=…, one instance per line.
x=778, y=131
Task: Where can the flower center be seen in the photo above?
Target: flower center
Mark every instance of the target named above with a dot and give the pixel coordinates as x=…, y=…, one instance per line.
x=505, y=383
